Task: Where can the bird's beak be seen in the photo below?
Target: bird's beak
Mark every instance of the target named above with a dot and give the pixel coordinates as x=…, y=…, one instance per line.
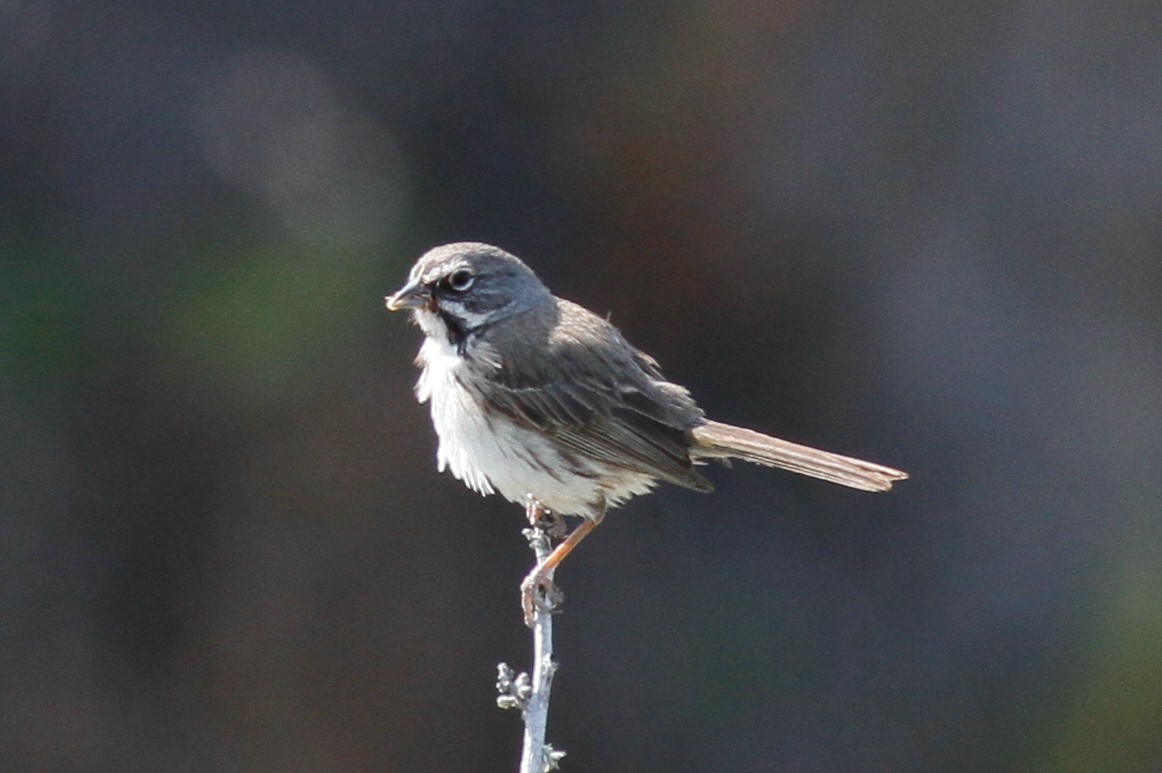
x=410, y=296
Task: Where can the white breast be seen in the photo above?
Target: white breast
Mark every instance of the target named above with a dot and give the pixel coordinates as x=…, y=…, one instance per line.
x=492, y=454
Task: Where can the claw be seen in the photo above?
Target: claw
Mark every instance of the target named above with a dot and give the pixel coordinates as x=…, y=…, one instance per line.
x=538, y=593
x=552, y=523
x=540, y=517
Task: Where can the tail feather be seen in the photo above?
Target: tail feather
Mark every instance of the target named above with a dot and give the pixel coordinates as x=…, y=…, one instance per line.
x=718, y=440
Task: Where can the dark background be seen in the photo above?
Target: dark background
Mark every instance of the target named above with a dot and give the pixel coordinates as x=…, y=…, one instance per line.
x=928, y=233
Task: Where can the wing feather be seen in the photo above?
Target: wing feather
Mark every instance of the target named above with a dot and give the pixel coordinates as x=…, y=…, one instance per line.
x=598, y=396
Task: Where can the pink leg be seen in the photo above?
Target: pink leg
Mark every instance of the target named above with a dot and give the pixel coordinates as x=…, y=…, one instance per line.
x=538, y=590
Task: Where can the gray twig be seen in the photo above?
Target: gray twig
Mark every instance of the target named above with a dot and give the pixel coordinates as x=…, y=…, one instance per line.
x=531, y=694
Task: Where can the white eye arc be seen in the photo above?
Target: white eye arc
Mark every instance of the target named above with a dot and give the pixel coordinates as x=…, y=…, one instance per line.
x=460, y=280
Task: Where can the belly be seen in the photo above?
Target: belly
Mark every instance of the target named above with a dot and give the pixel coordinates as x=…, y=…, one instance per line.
x=492, y=454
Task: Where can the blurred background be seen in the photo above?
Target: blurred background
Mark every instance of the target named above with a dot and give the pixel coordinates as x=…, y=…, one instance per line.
x=925, y=233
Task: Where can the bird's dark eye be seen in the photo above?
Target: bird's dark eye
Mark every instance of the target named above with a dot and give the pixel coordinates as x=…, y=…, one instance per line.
x=460, y=280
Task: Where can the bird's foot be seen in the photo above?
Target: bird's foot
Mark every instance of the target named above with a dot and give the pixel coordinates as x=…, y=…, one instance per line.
x=540, y=517
x=552, y=524
x=539, y=594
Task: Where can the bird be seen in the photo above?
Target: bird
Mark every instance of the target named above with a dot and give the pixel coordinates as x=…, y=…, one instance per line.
x=537, y=399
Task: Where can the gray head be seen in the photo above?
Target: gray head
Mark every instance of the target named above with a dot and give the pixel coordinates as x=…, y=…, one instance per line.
x=457, y=289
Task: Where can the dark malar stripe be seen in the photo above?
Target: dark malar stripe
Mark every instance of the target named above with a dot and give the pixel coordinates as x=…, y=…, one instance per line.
x=458, y=332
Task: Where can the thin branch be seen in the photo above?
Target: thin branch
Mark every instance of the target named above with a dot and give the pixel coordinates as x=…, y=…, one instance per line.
x=531, y=694
x=536, y=708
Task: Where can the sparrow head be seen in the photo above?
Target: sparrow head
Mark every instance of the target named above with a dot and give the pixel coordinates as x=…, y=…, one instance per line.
x=457, y=289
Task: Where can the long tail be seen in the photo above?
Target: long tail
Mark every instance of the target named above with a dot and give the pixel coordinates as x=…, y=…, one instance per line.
x=717, y=440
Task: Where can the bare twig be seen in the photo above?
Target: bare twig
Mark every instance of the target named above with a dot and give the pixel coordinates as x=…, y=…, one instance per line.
x=531, y=694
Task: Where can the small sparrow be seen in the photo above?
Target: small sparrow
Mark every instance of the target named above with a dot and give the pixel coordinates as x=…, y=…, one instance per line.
x=544, y=402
